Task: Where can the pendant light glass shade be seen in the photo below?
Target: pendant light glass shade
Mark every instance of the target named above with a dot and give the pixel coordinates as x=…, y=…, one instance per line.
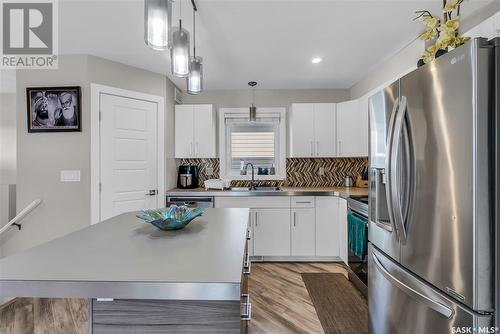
x=195, y=78
x=179, y=52
x=157, y=23
x=252, y=111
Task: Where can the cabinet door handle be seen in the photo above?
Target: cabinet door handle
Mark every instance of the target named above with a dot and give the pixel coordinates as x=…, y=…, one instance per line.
x=191, y=149
x=312, y=148
x=295, y=219
x=302, y=202
x=340, y=147
x=317, y=148
x=247, y=265
x=255, y=220
x=196, y=150
x=246, y=308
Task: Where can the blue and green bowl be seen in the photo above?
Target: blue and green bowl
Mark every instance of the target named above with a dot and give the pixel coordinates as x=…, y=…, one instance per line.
x=171, y=218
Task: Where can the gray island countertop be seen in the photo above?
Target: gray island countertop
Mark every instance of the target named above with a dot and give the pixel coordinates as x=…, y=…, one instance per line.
x=124, y=257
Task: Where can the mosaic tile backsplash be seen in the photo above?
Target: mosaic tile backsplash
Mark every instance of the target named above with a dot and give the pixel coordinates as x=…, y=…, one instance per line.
x=300, y=172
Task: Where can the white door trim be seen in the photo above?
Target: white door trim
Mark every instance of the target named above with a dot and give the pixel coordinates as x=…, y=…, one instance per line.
x=95, y=139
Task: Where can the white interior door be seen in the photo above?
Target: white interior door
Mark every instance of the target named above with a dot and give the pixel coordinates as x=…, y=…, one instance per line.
x=128, y=155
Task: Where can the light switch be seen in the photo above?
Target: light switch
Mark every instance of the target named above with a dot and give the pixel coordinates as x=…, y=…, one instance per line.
x=70, y=176
x=321, y=171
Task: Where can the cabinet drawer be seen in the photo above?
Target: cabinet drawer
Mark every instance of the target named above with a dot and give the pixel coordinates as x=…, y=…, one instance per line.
x=302, y=202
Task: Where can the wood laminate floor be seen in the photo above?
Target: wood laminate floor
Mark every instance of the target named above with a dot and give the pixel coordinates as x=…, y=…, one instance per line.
x=280, y=304
x=280, y=301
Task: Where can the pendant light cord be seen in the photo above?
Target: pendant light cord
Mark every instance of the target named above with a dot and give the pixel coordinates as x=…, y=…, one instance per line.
x=180, y=16
x=194, y=33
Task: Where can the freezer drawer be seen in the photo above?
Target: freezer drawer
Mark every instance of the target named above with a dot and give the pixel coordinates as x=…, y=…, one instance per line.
x=402, y=303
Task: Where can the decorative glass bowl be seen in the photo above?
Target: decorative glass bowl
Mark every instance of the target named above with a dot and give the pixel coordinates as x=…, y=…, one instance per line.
x=172, y=218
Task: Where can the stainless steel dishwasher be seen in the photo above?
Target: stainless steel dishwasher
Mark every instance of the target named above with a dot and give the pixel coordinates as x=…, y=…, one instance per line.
x=191, y=201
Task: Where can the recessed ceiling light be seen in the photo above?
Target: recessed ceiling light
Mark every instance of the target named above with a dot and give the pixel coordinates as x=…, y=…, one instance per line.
x=316, y=60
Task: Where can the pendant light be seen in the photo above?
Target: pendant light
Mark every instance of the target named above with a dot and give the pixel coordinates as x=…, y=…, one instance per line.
x=252, y=110
x=179, y=52
x=195, y=77
x=157, y=23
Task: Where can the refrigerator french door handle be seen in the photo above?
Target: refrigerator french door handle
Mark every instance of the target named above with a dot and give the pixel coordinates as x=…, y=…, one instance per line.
x=394, y=163
x=388, y=172
x=436, y=306
x=411, y=172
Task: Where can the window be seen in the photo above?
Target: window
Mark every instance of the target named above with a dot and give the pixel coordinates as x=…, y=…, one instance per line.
x=260, y=143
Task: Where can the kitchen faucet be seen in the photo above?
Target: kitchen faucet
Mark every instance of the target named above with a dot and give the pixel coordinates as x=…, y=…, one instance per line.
x=253, y=183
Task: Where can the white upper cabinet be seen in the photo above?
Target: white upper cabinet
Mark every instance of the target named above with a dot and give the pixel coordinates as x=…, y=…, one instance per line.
x=312, y=130
x=184, y=131
x=195, y=131
x=324, y=130
x=352, y=128
x=301, y=144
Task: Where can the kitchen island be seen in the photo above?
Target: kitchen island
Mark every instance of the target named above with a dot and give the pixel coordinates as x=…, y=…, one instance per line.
x=143, y=280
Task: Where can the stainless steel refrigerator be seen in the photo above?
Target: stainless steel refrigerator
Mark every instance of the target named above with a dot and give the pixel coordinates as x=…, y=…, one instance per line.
x=432, y=199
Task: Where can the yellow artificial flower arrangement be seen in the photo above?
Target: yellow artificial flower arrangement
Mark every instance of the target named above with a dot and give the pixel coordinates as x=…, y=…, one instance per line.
x=445, y=32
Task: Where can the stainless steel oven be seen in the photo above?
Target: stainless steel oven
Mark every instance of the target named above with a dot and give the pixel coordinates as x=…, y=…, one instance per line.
x=357, y=208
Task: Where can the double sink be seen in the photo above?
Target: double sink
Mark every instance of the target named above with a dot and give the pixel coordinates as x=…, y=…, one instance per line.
x=256, y=189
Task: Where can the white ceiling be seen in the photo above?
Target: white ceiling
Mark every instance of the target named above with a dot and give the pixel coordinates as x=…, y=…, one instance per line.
x=269, y=41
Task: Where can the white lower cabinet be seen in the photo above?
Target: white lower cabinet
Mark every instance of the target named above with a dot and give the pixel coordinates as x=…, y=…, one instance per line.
x=297, y=226
x=342, y=218
x=303, y=232
x=271, y=232
x=327, y=226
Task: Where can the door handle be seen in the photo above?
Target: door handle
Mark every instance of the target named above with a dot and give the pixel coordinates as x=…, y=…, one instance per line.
x=152, y=192
x=388, y=165
x=395, y=191
x=436, y=306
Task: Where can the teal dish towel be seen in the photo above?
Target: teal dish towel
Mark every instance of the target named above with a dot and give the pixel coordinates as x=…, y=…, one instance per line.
x=357, y=235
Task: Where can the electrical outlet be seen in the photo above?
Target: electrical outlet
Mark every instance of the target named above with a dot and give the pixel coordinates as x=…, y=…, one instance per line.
x=321, y=171
x=209, y=171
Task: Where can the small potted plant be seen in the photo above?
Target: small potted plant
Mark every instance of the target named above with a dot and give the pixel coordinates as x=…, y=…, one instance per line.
x=444, y=32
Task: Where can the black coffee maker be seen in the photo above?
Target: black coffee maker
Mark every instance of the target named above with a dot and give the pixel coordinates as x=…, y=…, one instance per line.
x=187, y=177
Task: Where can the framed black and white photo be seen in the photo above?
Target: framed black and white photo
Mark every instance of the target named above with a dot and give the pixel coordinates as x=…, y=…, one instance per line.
x=54, y=109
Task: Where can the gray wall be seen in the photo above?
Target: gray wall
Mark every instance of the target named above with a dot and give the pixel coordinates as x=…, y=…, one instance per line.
x=7, y=155
x=106, y=72
x=41, y=156
x=7, y=138
x=405, y=60
x=267, y=98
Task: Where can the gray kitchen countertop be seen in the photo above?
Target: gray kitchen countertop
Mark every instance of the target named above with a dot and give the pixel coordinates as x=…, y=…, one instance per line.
x=343, y=192
x=124, y=257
